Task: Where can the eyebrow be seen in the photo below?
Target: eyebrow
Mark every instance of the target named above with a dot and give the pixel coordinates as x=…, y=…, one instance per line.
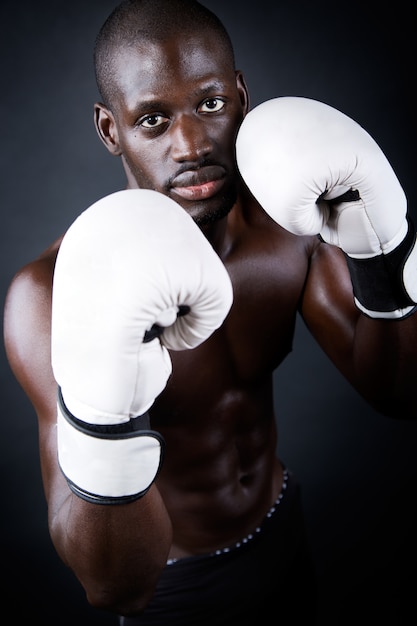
x=153, y=104
x=150, y=105
x=215, y=85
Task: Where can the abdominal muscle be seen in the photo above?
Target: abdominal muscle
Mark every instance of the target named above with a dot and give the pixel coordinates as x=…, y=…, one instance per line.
x=214, y=503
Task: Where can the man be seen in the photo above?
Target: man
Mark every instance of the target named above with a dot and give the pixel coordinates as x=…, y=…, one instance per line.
x=207, y=526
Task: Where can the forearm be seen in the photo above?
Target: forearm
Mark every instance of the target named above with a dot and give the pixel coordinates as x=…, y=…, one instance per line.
x=377, y=356
x=116, y=552
x=385, y=364
x=384, y=353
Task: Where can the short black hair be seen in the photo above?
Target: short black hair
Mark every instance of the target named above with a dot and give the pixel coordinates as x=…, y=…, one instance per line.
x=134, y=20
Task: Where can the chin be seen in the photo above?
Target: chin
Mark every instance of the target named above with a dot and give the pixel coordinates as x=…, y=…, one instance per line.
x=212, y=217
x=217, y=213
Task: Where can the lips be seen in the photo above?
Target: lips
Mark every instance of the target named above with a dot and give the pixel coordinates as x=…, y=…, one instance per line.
x=199, y=184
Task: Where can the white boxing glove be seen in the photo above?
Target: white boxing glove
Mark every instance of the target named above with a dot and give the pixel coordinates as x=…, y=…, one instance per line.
x=316, y=171
x=134, y=277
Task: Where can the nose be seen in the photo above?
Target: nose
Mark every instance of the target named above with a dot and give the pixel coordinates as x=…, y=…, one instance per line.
x=190, y=140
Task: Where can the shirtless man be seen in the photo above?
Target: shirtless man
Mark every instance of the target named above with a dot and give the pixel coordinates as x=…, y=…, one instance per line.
x=188, y=516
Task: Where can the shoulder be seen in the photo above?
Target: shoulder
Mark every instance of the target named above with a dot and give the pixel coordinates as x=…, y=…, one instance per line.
x=259, y=230
x=31, y=286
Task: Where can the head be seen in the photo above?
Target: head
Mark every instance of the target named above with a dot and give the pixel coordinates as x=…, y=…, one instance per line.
x=172, y=102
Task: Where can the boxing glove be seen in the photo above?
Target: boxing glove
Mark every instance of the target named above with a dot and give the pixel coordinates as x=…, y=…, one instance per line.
x=316, y=171
x=134, y=277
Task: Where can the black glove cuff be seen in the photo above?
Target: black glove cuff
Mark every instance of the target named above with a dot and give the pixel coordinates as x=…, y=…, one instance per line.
x=378, y=283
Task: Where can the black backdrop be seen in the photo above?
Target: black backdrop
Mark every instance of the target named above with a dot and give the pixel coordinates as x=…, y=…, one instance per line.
x=358, y=469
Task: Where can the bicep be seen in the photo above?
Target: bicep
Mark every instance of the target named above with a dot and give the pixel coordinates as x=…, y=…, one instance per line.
x=27, y=334
x=328, y=308
x=27, y=324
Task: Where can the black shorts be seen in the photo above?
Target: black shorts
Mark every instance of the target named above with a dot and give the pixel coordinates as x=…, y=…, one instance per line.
x=267, y=578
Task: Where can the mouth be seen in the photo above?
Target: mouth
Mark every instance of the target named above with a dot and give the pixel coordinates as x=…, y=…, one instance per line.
x=200, y=184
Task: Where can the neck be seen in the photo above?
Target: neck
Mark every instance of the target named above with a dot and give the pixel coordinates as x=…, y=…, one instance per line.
x=216, y=233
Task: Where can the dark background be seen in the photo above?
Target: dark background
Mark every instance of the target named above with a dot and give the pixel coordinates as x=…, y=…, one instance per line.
x=357, y=468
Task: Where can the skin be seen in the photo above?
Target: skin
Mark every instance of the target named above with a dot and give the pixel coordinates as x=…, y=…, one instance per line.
x=178, y=107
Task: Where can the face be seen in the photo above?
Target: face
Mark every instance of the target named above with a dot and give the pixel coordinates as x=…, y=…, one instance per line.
x=174, y=122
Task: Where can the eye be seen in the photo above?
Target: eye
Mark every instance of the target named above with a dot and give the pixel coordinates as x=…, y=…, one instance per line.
x=153, y=121
x=212, y=105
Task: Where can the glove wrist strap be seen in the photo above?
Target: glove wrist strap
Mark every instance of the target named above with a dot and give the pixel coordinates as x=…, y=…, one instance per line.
x=385, y=286
x=108, y=464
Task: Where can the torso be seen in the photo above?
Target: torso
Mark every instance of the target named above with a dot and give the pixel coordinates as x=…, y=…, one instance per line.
x=220, y=473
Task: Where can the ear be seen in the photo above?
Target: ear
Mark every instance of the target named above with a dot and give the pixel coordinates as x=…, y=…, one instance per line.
x=106, y=128
x=243, y=91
